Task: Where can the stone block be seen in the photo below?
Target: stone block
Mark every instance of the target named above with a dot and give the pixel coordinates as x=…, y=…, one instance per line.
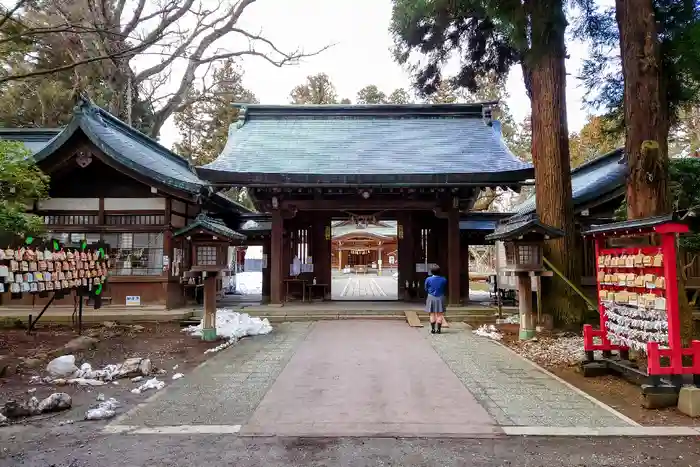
x=689, y=401
x=594, y=369
x=659, y=400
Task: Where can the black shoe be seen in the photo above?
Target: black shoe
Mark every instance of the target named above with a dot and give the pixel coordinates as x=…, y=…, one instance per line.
x=432, y=328
x=439, y=328
x=432, y=331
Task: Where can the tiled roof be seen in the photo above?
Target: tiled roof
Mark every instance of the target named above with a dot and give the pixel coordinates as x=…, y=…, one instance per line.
x=215, y=226
x=34, y=139
x=634, y=224
x=448, y=143
x=127, y=147
x=597, y=179
x=519, y=226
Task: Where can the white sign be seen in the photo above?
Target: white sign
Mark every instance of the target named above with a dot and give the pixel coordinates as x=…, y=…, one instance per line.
x=133, y=300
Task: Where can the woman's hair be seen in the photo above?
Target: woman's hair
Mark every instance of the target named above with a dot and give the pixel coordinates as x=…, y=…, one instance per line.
x=435, y=270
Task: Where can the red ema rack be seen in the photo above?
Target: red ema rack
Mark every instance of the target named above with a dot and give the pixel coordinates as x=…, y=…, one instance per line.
x=666, y=231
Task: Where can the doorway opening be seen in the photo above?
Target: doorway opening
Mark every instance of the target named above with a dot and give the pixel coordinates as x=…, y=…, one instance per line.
x=364, y=259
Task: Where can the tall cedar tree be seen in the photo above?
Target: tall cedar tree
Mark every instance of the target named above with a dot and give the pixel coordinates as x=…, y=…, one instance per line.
x=491, y=36
x=660, y=59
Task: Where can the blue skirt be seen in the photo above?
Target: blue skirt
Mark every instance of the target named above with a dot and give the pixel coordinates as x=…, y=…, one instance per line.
x=434, y=304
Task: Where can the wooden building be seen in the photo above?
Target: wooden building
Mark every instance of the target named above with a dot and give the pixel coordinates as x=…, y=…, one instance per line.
x=110, y=183
x=420, y=165
x=364, y=244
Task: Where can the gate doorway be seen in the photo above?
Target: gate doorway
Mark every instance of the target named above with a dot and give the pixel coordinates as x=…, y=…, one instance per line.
x=364, y=259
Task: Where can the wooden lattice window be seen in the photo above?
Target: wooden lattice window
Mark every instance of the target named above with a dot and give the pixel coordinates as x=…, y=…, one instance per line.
x=206, y=256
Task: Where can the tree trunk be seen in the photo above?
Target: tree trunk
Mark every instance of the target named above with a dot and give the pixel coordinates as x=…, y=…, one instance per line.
x=550, y=155
x=647, y=125
x=646, y=140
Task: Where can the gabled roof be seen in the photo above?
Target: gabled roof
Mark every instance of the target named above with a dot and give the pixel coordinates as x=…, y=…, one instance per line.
x=214, y=226
x=601, y=179
x=524, y=227
x=34, y=139
x=364, y=144
x=127, y=147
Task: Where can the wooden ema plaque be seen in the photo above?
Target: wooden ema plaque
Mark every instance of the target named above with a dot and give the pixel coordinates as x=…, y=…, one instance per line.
x=638, y=297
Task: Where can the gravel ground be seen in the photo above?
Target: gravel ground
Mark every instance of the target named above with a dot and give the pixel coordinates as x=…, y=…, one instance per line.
x=270, y=452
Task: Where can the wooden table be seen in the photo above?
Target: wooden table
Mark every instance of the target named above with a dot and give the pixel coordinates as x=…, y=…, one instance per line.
x=302, y=282
x=311, y=287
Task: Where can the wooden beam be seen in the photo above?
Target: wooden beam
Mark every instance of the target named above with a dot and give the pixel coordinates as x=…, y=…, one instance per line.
x=355, y=205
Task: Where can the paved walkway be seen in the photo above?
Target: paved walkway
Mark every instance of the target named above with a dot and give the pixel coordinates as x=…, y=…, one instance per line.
x=365, y=378
x=364, y=287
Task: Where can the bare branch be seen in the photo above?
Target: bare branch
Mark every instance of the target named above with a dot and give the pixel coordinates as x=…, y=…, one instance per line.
x=6, y=15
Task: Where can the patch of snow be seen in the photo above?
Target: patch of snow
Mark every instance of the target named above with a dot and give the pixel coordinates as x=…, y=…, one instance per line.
x=153, y=383
x=35, y=380
x=100, y=397
x=31, y=391
x=105, y=410
x=176, y=367
x=221, y=347
x=62, y=366
x=233, y=325
x=85, y=382
x=129, y=367
x=3, y=420
x=178, y=376
x=490, y=331
x=512, y=319
x=479, y=295
x=249, y=282
x=136, y=379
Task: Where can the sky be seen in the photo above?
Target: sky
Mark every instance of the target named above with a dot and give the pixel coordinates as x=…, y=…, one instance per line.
x=360, y=55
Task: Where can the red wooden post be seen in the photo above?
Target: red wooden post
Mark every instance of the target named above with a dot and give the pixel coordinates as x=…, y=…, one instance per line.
x=668, y=248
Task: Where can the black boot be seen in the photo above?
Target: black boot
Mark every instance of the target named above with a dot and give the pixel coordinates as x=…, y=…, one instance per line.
x=439, y=328
x=432, y=328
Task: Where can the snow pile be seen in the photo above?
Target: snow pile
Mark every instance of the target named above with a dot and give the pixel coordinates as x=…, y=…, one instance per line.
x=177, y=376
x=233, y=325
x=153, y=383
x=564, y=350
x=249, y=282
x=105, y=410
x=62, y=366
x=512, y=319
x=490, y=331
x=479, y=295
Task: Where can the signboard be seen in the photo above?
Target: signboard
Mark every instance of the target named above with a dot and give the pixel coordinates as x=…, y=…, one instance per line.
x=133, y=300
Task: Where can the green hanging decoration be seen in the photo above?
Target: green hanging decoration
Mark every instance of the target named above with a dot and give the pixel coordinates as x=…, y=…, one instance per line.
x=29, y=240
x=56, y=246
x=98, y=289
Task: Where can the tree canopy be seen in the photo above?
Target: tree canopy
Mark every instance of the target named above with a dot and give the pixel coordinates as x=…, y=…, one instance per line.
x=21, y=183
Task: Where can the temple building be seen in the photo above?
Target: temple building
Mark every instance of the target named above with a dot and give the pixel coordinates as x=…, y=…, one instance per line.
x=421, y=166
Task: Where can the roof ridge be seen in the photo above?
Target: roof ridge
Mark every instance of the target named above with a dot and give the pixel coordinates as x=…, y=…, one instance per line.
x=86, y=107
x=598, y=160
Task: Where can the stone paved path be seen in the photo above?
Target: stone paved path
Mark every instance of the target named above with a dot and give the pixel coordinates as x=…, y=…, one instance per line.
x=364, y=287
x=335, y=378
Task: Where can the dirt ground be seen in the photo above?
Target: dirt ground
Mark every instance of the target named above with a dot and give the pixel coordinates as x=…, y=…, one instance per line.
x=164, y=344
x=614, y=391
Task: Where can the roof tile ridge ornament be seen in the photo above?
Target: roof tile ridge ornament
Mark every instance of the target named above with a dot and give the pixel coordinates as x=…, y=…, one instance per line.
x=487, y=114
x=242, y=114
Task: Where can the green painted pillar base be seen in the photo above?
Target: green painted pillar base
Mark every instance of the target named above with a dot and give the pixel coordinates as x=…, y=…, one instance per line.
x=209, y=334
x=526, y=334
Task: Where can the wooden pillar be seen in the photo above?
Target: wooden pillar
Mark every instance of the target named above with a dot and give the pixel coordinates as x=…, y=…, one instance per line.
x=276, y=258
x=454, y=258
x=321, y=250
x=527, y=317
x=209, y=321
x=465, y=269
x=266, y=271
x=403, y=246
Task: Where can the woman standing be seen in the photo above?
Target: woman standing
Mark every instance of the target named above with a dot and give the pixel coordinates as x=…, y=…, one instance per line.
x=435, y=286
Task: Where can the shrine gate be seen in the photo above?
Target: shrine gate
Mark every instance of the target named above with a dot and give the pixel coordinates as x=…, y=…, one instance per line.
x=420, y=165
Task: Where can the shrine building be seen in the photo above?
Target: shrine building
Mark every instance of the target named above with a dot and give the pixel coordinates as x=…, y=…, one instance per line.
x=111, y=184
x=310, y=168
